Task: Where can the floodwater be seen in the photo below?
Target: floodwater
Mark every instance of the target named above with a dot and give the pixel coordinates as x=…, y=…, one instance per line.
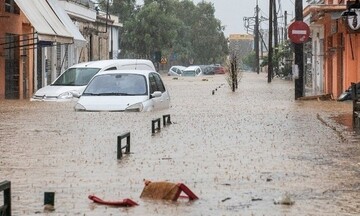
x=237, y=151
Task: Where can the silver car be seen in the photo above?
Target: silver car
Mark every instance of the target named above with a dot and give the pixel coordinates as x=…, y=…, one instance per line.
x=176, y=70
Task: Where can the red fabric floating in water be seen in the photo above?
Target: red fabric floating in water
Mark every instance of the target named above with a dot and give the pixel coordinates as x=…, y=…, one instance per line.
x=123, y=203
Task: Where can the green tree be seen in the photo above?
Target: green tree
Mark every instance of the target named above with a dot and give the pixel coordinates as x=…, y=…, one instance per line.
x=176, y=28
x=284, y=52
x=209, y=42
x=124, y=9
x=152, y=29
x=250, y=60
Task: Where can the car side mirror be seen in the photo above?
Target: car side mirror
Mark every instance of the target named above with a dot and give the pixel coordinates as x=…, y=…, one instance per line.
x=76, y=94
x=156, y=94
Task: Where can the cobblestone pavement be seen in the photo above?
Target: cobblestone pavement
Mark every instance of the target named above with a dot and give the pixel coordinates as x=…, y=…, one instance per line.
x=238, y=152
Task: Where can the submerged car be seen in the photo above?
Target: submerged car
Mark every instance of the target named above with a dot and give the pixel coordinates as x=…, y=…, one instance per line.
x=219, y=69
x=72, y=82
x=124, y=90
x=192, y=71
x=176, y=70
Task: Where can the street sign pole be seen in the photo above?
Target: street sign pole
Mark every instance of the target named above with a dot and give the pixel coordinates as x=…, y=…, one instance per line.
x=299, y=56
x=270, y=50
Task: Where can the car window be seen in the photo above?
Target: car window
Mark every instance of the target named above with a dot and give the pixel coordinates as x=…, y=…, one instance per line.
x=117, y=84
x=76, y=76
x=159, y=83
x=152, y=82
x=189, y=73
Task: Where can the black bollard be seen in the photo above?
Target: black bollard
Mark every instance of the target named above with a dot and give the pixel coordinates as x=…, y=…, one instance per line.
x=153, y=128
x=166, y=119
x=49, y=198
x=120, y=148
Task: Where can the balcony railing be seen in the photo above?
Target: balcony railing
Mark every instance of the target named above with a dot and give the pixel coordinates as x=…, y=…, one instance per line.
x=86, y=3
x=315, y=1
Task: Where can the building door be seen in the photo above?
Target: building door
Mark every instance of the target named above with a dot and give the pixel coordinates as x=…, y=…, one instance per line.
x=39, y=69
x=340, y=64
x=329, y=75
x=12, y=74
x=25, y=68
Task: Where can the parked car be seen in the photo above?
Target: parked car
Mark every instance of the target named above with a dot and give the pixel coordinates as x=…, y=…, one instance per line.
x=176, y=70
x=124, y=90
x=73, y=81
x=346, y=95
x=219, y=69
x=207, y=70
x=192, y=71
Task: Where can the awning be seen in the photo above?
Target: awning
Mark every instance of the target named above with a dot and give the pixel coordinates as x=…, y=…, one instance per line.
x=79, y=40
x=46, y=23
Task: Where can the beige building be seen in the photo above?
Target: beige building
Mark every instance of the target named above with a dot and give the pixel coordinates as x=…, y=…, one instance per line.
x=241, y=45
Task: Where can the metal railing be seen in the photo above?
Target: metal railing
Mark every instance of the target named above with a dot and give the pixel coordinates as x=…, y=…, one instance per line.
x=86, y=3
x=120, y=147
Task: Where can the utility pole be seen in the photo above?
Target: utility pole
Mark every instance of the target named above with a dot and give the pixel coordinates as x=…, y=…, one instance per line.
x=256, y=45
x=299, y=54
x=285, y=25
x=276, y=37
x=270, y=52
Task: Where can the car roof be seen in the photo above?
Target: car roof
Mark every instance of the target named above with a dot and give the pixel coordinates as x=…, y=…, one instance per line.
x=141, y=72
x=105, y=63
x=192, y=67
x=178, y=66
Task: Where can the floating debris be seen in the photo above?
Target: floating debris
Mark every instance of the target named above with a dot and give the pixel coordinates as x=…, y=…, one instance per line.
x=49, y=208
x=256, y=199
x=227, y=198
x=284, y=200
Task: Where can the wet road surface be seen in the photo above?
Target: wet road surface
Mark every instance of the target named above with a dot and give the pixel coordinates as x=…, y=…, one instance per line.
x=237, y=151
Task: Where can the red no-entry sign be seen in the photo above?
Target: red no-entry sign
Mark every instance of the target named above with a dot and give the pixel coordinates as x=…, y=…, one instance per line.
x=298, y=32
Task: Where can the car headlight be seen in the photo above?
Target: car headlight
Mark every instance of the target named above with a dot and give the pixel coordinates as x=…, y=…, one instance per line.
x=65, y=95
x=79, y=107
x=138, y=107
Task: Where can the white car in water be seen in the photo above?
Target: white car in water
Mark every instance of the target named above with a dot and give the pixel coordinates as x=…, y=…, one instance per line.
x=124, y=90
x=176, y=70
x=192, y=71
x=72, y=82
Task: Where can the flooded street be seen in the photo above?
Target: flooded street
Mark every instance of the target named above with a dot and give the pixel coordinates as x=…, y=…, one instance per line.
x=237, y=151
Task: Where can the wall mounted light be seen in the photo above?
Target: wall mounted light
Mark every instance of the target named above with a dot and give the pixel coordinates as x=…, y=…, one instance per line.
x=352, y=15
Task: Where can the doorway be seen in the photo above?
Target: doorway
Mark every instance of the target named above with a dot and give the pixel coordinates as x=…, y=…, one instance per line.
x=12, y=74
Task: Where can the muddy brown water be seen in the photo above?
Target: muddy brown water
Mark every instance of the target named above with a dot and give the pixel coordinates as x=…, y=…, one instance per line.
x=237, y=151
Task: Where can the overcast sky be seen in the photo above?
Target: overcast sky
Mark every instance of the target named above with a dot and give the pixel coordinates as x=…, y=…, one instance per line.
x=232, y=12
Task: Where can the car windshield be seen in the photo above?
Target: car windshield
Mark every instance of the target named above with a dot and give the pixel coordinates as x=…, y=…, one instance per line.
x=189, y=73
x=117, y=84
x=76, y=77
